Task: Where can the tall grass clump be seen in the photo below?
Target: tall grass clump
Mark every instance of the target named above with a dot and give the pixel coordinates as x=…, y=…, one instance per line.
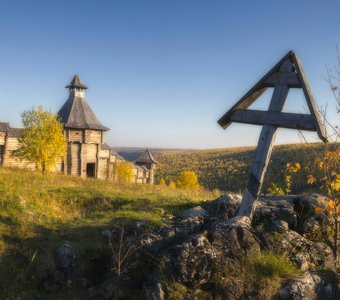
x=268, y=267
x=264, y=272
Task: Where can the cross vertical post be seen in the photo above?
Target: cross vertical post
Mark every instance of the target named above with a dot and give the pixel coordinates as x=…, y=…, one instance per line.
x=264, y=148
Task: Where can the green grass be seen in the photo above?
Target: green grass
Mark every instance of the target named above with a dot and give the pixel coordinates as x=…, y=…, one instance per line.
x=39, y=212
x=268, y=267
x=264, y=272
x=267, y=271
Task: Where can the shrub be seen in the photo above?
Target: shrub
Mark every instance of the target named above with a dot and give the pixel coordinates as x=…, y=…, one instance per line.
x=162, y=182
x=123, y=172
x=42, y=141
x=172, y=185
x=188, y=180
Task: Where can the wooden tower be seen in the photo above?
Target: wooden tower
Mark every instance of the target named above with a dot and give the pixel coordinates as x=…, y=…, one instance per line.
x=146, y=160
x=83, y=132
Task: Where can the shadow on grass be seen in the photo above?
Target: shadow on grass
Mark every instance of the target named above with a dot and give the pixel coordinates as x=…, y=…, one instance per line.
x=178, y=209
x=27, y=261
x=104, y=204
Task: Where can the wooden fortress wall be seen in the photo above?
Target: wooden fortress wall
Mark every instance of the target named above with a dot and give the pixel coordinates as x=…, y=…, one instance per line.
x=84, y=147
x=8, y=145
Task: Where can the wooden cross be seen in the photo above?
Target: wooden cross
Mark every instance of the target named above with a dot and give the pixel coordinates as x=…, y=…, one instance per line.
x=287, y=73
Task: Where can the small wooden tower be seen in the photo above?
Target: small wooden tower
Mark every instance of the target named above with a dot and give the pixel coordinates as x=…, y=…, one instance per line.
x=146, y=159
x=83, y=131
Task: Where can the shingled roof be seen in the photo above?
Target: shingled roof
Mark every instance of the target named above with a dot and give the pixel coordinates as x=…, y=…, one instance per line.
x=146, y=157
x=4, y=126
x=15, y=132
x=12, y=131
x=76, y=83
x=76, y=113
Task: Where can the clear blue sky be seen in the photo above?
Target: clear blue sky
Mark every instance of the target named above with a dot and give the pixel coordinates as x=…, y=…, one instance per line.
x=161, y=73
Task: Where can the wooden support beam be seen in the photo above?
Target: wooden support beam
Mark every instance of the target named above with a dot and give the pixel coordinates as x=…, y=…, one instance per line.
x=291, y=79
x=256, y=91
x=295, y=78
x=264, y=149
x=320, y=128
x=280, y=119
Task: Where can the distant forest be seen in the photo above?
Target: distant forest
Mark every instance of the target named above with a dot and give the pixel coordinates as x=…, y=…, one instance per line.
x=227, y=169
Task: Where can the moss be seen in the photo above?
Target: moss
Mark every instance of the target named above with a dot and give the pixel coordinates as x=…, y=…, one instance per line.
x=276, y=235
x=176, y=291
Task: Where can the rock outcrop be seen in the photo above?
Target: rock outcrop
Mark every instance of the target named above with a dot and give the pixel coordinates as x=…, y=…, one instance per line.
x=206, y=253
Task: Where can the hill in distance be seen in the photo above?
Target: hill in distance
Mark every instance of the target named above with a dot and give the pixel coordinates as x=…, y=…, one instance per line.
x=227, y=169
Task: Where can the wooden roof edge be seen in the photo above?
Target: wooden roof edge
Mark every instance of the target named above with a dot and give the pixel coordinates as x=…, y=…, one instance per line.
x=256, y=91
x=312, y=105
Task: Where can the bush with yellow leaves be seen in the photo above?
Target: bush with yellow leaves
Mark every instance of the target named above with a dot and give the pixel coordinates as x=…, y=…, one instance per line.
x=291, y=168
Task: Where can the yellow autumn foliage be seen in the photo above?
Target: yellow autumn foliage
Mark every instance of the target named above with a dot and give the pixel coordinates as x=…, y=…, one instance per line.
x=188, y=180
x=123, y=172
x=43, y=141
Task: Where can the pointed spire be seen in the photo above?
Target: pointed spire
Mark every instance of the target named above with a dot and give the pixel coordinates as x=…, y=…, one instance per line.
x=76, y=83
x=76, y=113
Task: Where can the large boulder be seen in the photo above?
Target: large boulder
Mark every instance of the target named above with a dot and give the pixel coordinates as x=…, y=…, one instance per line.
x=234, y=237
x=303, y=252
x=192, y=261
x=311, y=286
x=268, y=212
x=191, y=221
x=225, y=207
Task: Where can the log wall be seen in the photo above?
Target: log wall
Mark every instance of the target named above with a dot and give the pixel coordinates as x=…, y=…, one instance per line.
x=83, y=147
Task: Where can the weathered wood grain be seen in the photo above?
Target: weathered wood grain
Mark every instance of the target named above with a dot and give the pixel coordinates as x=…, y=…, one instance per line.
x=264, y=149
x=280, y=119
x=313, y=108
x=296, y=78
x=255, y=92
x=291, y=79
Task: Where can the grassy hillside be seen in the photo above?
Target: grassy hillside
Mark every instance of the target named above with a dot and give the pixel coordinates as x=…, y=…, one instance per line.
x=39, y=212
x=227, y=169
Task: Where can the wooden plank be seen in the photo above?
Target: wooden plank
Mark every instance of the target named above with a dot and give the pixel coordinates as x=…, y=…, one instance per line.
x=98, y=162
x=245, y=102
x=93, y=136
x=2, y=138
x=263, y=150
x=256, y=91
x=291, y=79
x=91, y=154
x=280, y=119
x=320, y=128
x=294, y=79
x=75, y=135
